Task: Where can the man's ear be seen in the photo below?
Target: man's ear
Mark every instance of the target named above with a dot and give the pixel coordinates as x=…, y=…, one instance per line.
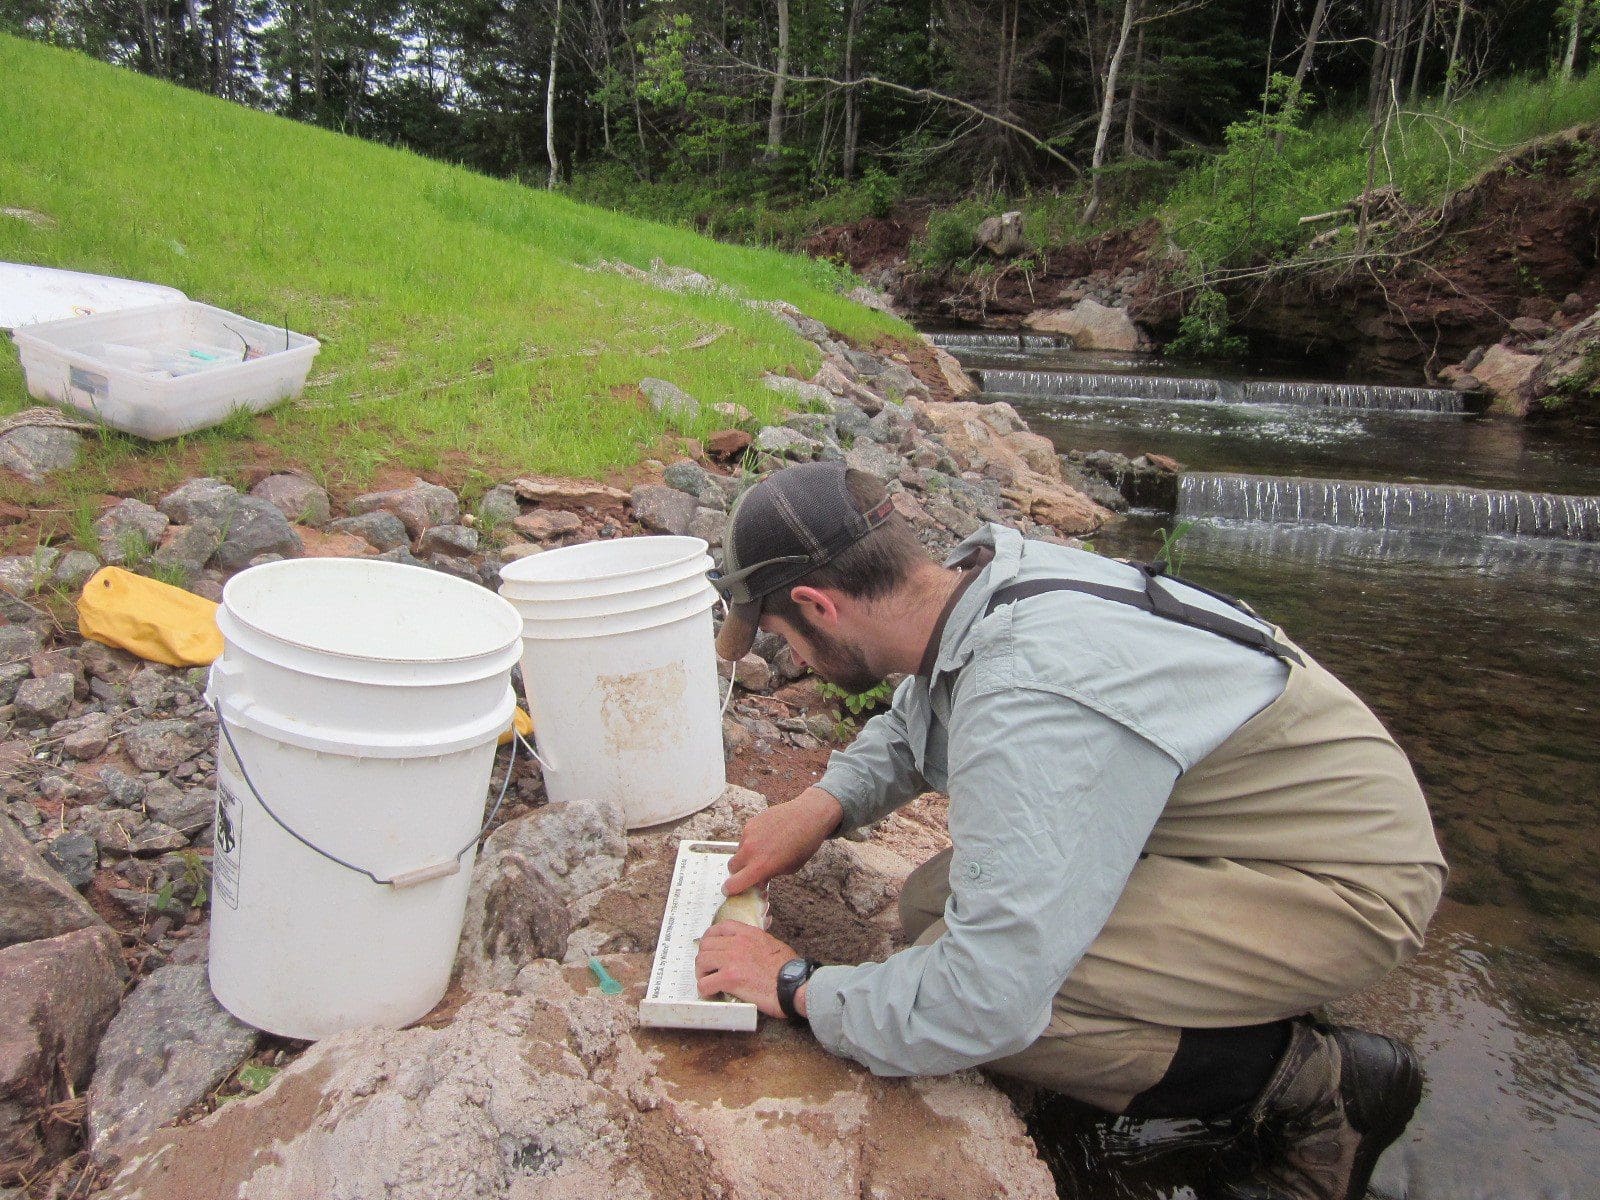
x=817, y=604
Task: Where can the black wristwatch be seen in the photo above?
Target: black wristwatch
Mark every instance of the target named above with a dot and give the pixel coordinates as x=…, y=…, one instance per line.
x=791, y=978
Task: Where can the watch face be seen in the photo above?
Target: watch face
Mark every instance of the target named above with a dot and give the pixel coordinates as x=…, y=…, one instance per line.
x=795, y=970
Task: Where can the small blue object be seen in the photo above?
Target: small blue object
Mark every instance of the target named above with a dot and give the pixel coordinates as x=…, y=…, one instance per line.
x=608, y=985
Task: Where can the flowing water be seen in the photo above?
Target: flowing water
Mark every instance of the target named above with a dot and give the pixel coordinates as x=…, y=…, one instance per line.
x=1447, y=568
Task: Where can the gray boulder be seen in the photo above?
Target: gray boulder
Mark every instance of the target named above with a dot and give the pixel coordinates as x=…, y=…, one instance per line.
x=687, y=476
x=819, y=427
x=57, y=994
x=186, y=811
x=19, y=643
x=708, y=525
x=44, y=701
x=785, y=442
x=531, y=872
x=1002, y=235
x=872, y=458
x=127, y=526
x=170, y=1044
x=663, y=509
x=669, y=399
x=299, y=499
x=75, y=567
x=74, y=854
x=455, y=540
x=87, y=738
x=547, y=524
x=808, y=393
x=12, y=676
x=35, y=901
x=162, y=745
x=1092, y=326
x=254, y=527
x=419, y=506
x=206, y=498
x=499, y=505
x=380, y=529
x=34, y=451
x=189, y=547
x=24, y=574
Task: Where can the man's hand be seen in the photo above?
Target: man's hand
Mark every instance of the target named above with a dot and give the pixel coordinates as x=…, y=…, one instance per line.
x=742, y=961
x=782, y=839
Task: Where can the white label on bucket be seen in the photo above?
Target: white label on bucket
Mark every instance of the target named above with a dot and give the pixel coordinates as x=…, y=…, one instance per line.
x=673, y=1001
x=226, y=853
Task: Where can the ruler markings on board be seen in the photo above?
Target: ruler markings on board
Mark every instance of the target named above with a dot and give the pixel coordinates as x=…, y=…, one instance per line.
x=673, y=1001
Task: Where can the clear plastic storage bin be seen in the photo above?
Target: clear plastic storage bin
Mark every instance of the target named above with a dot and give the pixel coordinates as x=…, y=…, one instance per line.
x=164, y=370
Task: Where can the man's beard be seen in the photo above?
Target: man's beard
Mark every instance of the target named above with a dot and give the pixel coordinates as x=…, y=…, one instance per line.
x=841, y=665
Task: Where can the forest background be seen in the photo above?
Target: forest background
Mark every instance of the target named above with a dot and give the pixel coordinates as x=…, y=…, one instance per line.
x=769, y=119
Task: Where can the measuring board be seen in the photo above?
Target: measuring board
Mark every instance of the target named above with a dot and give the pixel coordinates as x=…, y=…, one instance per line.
x=673, y=1001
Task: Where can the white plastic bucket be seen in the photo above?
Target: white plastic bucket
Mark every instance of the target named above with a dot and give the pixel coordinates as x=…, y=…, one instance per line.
x=360, y=702
x=620, y=674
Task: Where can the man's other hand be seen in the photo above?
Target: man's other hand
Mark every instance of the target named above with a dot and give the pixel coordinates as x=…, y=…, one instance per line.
x=742, y=961
x=782, y=839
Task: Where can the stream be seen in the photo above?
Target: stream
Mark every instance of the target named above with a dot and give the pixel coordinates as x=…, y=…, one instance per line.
x=1447, y=567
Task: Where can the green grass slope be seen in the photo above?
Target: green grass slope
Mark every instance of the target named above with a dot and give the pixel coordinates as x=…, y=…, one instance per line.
x=1245, y=204
x=459, y=319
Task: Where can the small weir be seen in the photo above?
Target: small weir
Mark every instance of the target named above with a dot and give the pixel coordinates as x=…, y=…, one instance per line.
x=1177, y=388
x=1000, y=343
x=1388, y=506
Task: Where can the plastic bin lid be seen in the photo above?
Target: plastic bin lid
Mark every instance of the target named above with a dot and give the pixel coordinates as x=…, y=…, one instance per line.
x=30, y=294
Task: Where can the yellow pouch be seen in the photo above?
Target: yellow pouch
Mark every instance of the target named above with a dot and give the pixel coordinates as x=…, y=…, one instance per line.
x=521, y=723
x=152, y=619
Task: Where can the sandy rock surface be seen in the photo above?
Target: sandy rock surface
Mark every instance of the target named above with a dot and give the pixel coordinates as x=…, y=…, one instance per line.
x=552, y=1090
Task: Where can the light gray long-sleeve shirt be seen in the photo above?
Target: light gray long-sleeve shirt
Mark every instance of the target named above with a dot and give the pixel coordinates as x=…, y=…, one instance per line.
x=1058, y=726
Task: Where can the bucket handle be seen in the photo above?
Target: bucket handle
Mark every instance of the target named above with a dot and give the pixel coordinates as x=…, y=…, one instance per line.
x=400, y=879
x=733, y=668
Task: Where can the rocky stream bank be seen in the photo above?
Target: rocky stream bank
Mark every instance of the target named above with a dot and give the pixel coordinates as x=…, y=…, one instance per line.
x=1496, y=292
x=121, y=1076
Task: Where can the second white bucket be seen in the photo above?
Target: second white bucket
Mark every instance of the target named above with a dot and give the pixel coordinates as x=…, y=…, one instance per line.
x=621, y=675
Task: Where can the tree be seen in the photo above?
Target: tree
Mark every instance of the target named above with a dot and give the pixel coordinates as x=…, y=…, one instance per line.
x=1107, y=105
x=550, y=98
x=780, y=76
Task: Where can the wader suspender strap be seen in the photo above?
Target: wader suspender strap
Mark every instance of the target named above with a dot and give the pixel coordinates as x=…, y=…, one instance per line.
x=1158, y=600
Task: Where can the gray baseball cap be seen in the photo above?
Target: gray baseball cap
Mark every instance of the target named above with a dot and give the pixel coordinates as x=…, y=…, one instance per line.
x=782, y=529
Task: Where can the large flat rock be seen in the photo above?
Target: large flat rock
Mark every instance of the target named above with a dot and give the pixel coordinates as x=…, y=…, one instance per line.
x=553, y=1091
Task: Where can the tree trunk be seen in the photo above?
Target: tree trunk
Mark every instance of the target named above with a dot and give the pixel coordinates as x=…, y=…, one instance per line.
x=550, y=99
x=1318, y=15
x=775, y=113
x=1455, y=51
x=1107, y=105
x=1382, y=48
x=1422, y=49
x=316, y=59
x=1133, y=95
x=1576, y=8
x=852, y=105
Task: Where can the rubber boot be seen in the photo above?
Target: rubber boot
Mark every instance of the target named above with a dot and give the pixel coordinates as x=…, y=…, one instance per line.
x=1336, y=1101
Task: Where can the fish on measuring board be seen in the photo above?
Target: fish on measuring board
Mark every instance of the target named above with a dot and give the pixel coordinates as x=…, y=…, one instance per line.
x=749, y=907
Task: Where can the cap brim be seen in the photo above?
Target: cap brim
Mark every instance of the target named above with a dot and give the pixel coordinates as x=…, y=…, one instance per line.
x=738, y=631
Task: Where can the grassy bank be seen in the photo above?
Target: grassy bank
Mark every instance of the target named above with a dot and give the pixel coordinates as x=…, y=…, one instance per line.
x=1245, y=204
x=462, y=325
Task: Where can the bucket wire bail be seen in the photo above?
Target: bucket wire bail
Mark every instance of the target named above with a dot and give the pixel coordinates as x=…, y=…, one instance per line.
x=733, y=667
x=401, y=879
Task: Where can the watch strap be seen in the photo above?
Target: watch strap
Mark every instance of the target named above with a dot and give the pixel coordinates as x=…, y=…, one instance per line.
x=792, y=976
